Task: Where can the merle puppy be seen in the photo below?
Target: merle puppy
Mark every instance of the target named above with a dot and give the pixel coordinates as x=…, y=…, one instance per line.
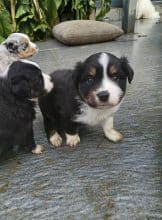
x=20, y=84
x=89, y=94
x=17, y=46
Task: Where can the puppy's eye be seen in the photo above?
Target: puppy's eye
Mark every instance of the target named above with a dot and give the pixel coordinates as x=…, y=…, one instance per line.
x=25, y=45
x=115, y=78
x=90, y=80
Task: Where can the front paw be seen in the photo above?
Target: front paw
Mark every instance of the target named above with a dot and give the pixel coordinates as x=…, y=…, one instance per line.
x=72, y=140
x=38, y=149
x=56, y=140
x=114, y=135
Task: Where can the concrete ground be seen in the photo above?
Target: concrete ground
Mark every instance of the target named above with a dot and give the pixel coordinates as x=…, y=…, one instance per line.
x=99, y=179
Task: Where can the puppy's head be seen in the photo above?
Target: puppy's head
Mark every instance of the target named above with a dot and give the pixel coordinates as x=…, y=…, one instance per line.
x=101, y=79
x=26, y=80
x=20, y=45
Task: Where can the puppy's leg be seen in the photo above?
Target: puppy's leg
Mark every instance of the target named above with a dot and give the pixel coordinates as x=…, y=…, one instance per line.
x=52, y=135
x=71, y=133
x=110, y=132
x=29, y=143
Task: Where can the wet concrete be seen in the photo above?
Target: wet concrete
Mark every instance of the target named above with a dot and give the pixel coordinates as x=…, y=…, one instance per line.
x=99, y=179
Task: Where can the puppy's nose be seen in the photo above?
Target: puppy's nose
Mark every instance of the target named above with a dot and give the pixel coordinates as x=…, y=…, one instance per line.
x=103, y=96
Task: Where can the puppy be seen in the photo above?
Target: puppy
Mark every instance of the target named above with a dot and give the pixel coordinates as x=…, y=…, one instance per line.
x=20, y=84
x=90, y=94
x=15, y=47
x=145, y=9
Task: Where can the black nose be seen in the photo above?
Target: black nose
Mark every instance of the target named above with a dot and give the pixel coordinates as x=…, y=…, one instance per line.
x=103, y=96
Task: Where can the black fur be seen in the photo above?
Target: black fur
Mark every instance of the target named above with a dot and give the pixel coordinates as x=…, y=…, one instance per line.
x=12, y=47
x=72, y=87
x=23, y=82
x=59, y=106
x=15, y=47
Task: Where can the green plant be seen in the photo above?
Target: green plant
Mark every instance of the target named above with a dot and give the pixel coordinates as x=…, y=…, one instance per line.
x=5, y=22
x=82, y=9
x=37, y=17
x=104, y=8
x=33, y=17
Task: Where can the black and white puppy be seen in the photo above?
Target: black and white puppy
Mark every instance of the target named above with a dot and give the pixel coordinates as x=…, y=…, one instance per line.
x=20, y=84
x=17, y=46
x=90, y=94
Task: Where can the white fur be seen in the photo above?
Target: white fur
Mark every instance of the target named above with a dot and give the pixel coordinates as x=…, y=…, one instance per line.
x=145, y=9
x=38, y=149
x=16, y=36
x=110, y=132
x=103, y=117
x=92, y=116
x=5, y=72
x=107, y=84
x=48, y=85
x=56, y=140
x=7, y=58
x=72, y=140
x=104, y=61
x=30, y=62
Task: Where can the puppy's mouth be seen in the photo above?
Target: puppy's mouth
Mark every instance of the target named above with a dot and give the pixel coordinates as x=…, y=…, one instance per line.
x=99, y=105
x=94, y=103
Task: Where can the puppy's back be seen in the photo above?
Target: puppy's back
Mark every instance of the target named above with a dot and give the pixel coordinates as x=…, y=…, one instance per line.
x=61, y=100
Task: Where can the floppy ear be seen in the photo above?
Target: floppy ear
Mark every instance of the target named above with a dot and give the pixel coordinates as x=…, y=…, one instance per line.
x=20, y=87
x=127, y=68
x=17, y=79
x=77, y=72
x=11, y=47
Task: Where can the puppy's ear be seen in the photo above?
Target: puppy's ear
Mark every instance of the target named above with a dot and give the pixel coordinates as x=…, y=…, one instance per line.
x=77, y=72
x=12, y=47
x=20, y=87
x=18, y=80
x=127, y=68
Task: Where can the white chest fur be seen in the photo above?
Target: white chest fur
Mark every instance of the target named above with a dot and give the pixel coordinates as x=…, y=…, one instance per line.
x=92, y=116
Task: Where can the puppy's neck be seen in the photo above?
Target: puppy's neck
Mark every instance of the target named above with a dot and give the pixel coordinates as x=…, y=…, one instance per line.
x=6, y=58
x=92, y=116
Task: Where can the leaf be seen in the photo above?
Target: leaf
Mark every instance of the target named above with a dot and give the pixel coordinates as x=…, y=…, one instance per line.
x=58, y=3
x=22, y=9
x=5, y=23
x=51, y=14
x=1, y=39
x=42, y=27
x=24, y=19
x=105, y=7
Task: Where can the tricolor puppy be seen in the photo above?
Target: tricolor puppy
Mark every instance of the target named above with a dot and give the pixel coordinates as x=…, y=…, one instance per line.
x=90, y=94
x=21, y=83
x=16, y=46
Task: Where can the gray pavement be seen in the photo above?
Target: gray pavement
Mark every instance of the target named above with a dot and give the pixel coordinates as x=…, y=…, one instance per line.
x=99, y=179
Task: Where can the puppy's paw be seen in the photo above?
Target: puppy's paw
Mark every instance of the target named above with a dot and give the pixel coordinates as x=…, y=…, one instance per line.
x=56, y=140
x=72, y=140
x=114, y=135
x=38, y=149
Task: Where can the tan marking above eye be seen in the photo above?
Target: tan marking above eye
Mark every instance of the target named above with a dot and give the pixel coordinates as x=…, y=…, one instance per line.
x=113, y=70
x=92, y=71
x=24, y=40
